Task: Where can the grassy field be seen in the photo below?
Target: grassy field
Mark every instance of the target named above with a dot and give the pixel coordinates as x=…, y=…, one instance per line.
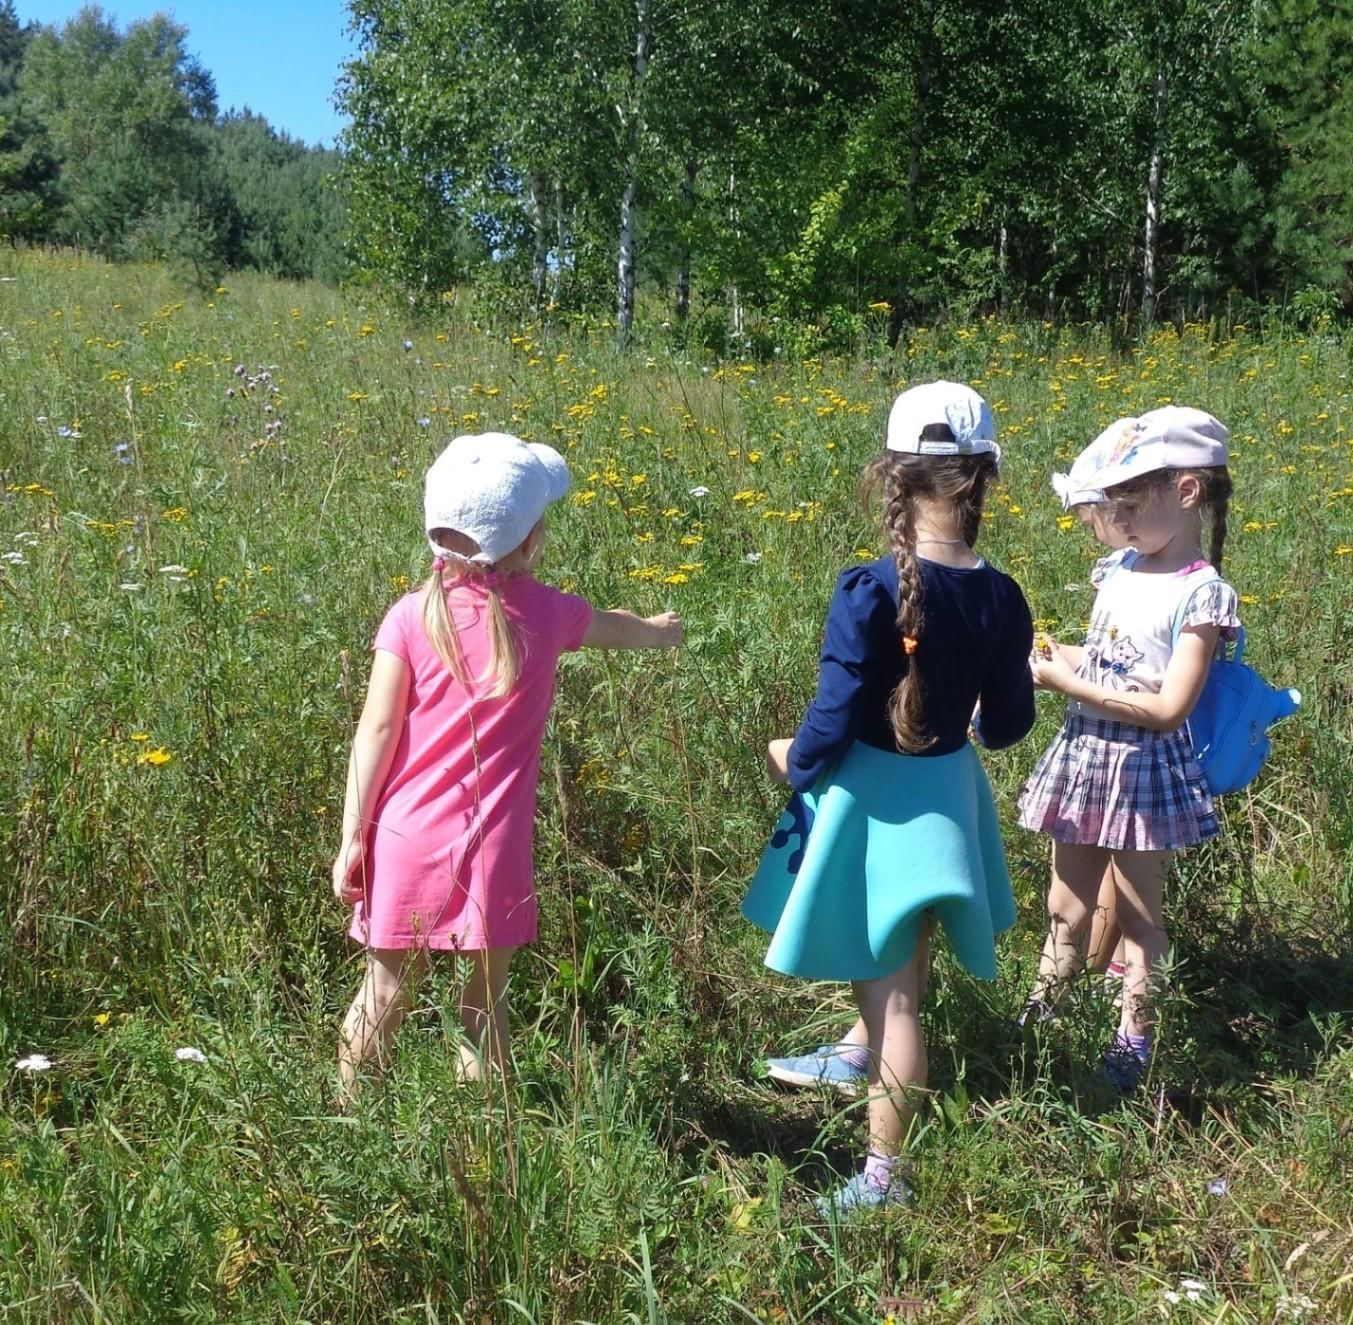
x=205, y=507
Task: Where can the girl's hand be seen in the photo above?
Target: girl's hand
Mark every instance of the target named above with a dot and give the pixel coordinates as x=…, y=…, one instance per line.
x=777, y=759
x=1050, y=666
x=348, y=871
x=667, y=630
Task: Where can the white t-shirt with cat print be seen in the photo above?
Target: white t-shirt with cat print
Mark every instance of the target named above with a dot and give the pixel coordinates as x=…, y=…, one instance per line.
x=1131, y=635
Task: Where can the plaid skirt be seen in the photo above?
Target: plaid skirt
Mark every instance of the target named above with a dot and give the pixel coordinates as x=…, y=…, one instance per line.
x=1119, y=786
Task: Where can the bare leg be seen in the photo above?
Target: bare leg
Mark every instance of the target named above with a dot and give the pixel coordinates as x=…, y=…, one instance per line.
x=1105, y=938
x=1141, y=886
x=483, y=1013
x=858, y=1034
x=891, y=1011
x=1077, y=873
x=381, y=1002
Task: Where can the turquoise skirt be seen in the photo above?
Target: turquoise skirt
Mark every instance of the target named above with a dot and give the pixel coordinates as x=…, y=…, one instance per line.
x=857, y=862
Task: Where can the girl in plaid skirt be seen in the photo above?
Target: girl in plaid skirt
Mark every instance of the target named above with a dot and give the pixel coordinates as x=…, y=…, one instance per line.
x=1119, y=786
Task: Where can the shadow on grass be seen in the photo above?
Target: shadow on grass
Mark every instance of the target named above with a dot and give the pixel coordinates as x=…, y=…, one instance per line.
x=814, y=1132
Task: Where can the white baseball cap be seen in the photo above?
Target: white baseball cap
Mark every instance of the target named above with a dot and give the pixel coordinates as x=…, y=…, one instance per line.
x=492, y=487
x=1171, y=437
x=952, y=405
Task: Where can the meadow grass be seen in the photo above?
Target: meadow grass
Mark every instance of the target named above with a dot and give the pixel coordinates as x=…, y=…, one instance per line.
x=206, y=505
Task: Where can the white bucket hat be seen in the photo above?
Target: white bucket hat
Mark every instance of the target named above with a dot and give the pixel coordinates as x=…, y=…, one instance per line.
x=950, y=404
x=492, y=487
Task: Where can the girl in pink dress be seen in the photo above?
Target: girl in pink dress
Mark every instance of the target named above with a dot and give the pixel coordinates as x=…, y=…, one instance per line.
x=438, y=819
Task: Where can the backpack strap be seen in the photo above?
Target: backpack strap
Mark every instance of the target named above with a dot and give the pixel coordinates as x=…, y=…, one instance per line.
x=1182, y=611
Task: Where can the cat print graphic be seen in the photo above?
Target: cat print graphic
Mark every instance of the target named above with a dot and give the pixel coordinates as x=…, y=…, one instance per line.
x=1113, y=666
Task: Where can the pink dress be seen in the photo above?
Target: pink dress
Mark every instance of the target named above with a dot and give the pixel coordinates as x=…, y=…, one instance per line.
x=450, y=859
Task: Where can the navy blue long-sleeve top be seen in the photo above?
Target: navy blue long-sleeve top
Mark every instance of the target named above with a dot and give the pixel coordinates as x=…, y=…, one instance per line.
x=973, y=645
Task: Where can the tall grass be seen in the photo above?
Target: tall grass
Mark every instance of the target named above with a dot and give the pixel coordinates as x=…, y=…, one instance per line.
x=189, y=591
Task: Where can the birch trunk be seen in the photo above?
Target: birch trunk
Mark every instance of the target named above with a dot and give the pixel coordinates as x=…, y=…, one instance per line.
x=1002, y=265
x=541, y=245
x=734, y=295
x=1151, y=237
x=562, y=243
x=624, y=317
x=683, y=281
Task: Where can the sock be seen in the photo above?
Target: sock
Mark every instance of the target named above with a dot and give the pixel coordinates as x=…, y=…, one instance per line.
x=1116, y=971
x=1139, y=1046
x=853, y=1055
x=878, y=1170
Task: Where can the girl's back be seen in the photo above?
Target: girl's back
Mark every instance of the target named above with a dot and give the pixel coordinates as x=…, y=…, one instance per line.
x=974, y=646
x=458, y=806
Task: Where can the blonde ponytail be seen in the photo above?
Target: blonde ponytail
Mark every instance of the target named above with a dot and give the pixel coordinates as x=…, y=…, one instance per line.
x=504, y=665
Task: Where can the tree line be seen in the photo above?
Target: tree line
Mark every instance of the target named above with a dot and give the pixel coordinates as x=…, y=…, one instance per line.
x=111, y=141
x=753, y=160
x=741, y=166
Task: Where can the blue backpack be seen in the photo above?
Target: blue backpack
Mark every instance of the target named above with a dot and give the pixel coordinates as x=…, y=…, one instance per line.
x=1228, y=728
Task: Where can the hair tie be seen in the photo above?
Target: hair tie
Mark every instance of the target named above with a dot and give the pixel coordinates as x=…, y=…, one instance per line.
x=438, y=563
x=909, y=644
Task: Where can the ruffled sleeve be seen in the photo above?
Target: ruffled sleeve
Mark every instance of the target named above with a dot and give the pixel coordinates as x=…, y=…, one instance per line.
x=1213, y=604
x=862, y=616
x=1106, y=566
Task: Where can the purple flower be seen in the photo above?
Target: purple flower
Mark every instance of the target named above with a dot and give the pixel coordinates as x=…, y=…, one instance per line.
x=408, y=345
x=424, y=422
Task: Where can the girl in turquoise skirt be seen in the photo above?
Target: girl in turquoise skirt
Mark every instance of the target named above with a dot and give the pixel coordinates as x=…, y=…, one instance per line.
x=892, y=828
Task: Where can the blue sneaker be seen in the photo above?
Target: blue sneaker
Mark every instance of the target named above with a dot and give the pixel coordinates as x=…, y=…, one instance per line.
x=859, y=1193
x=1124, y=1066
x=825, y=1066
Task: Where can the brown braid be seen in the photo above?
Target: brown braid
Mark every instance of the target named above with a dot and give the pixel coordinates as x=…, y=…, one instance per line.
x=903, y=477
x=906, y=706
x=1216, y=499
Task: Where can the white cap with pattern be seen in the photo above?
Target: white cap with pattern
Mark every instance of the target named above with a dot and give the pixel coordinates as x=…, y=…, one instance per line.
x=1171, y=437
x=934, y=407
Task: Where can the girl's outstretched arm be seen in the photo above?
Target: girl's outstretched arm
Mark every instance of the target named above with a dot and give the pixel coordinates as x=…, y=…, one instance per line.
x=1183, y=683
x=624, y=630
x=373, y=750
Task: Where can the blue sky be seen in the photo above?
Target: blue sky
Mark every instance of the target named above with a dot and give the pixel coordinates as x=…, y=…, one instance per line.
x=281, y=58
